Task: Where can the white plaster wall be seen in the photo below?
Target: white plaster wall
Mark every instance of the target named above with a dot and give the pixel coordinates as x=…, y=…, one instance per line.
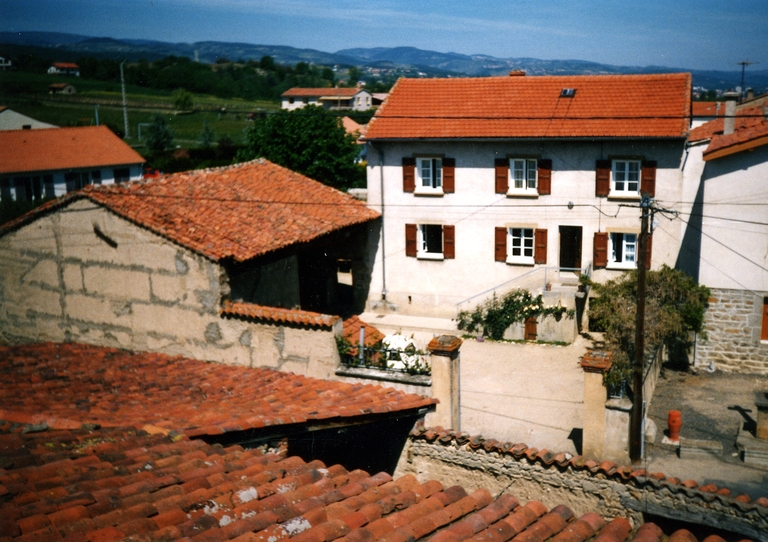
x=11, y=120
x=435, y=287
x=60, y=183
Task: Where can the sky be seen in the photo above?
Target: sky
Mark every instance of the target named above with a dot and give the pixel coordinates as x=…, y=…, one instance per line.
x=690, y=34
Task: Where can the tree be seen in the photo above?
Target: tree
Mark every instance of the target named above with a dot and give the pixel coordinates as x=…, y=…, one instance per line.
x=674, y=309
x=327, y=74
x=354, y=76
x=206, y=136
x=310, y=141
x=159, y=136
x=182, y=99
x=267, y=63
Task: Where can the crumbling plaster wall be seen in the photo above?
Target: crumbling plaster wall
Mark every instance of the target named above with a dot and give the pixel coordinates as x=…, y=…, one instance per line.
x=84, y=274
x=584, y=491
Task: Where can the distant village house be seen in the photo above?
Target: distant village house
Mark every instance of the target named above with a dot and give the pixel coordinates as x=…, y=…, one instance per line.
x=64, y=68
x=61, y=88
x=356, y=99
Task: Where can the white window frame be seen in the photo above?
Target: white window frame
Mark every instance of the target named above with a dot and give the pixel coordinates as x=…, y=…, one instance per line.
x=521, y=239
x=421, y=243
x=621, y=177
x=525, y=172
x=434, y=182
x=629, y=246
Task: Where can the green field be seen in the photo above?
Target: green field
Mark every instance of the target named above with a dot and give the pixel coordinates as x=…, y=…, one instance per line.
x=27, y=93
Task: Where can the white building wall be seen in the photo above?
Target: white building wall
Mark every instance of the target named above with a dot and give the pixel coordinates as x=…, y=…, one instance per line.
x=11, y=120
x=59, y=177
x=434, y=288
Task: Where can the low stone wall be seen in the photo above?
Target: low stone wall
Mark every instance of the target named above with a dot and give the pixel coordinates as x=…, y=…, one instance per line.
x=733, y=324
x=583, y=484
x=84, y=274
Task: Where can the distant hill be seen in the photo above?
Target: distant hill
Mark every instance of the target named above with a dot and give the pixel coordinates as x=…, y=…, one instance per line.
x=433, y=63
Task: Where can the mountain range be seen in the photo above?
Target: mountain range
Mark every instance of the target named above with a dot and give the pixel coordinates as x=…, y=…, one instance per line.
x=69, y=46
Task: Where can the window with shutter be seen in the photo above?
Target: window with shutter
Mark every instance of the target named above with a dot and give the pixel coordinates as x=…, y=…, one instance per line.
x=521, y=248
x=545, y=177
x=409, y=174
x=540, y=244
x=449, y=243
x=500, y=245
x=501, y=166
x=449, y=175
x=429, y=176
x=648, y=178
x=600, y=250
x=602, y=177
x=410, y=240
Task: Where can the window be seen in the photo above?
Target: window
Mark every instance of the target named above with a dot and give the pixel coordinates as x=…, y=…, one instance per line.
x=5, y=189
x=623, y=250
x=77, y=180
x=520, y=245
x=430, y=175
x=626, y=177
x=28, y=188
x=430, y=241
x=523, y=175
x=122, y=174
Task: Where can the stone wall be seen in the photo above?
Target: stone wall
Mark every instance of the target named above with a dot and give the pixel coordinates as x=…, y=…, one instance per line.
x=84, y=274
x=582, y=484
x=733, y=323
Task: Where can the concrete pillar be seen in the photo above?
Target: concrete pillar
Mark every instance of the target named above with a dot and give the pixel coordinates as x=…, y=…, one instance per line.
x=444, y=360
x=595, y=364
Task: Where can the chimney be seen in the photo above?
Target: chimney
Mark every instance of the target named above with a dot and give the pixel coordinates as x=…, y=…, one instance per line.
x=517, y=73
x=729, y=123
x=750, y=94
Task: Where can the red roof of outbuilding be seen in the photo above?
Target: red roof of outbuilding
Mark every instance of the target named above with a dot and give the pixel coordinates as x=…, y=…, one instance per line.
x=238, y=212
x=655, y=106
x=52, y=149
x=260, y=313
x=342, y=92
x=66, y=65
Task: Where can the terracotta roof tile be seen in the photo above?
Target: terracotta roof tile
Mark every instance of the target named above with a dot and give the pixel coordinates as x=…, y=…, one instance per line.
x=351, y=332
x=749, y=134
x=238, y=212
x=50, y=149
x=745, y=118
x=507, y=107
x=72, y=381
x=70, y=65
x=707, y=109
x=259, y=313
x=341, y=92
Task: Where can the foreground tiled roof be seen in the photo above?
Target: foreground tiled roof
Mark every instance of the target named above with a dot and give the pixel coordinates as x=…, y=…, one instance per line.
x=745, y=118
x=532, y=106
x=607, y=469
x=54, y=149
x=749, y=135
x=238, y=212
x=260, y=313
x=108, y=485
x=330, y=91
x=66, y=385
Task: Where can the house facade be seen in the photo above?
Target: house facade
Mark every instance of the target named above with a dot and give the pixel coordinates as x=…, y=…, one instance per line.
x=13, y=120
x=531, y=186
x=725, y=238
x=64, y=68
x=237, y=264
x=52, y=162
x=356, y=99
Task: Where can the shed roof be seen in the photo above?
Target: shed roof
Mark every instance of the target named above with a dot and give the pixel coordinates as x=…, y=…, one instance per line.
x=341, y=92
x=648, y=106
x=53, y=149
x=240, y=212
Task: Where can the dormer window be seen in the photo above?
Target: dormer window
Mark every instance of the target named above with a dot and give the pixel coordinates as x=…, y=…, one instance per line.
x=568, y=93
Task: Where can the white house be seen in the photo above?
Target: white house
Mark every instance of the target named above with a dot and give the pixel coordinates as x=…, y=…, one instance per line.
x=12, y=120
x=330, y=98
x=64, y=68
x=725, y=237
x=5, y=63
x=489, y=184
x=51, y=162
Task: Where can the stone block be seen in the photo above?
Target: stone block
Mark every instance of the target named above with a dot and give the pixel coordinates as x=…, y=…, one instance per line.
x=98, y=311
x=35, y=237
x=698, y=447
x=73, y=278
x=117, y=283
x=185, y=324
x=182, y=288
x=43, y=272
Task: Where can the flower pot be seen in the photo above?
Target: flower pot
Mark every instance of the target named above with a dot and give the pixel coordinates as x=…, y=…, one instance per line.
x=675, y=422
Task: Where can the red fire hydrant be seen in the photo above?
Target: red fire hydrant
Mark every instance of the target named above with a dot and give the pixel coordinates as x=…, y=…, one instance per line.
x=675, y=422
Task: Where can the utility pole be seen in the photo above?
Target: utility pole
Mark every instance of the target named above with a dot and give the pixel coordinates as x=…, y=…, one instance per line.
x=96, y=108
x=125, y=103
x=636, y=421
x=744, y=64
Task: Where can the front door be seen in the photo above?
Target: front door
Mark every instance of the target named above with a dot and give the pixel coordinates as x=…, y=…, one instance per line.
x=570, y=248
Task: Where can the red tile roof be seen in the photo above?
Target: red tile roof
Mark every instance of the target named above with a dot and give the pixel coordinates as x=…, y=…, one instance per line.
x=238, y=212
x=260, y=313
x=88, y=483
x=371, y=337
x=330, y=91
x=66, y=65
x=66, y=385
x=532, y=106
x=745, y=118
x=707, y=109
x=748, y=135
x=52, y=149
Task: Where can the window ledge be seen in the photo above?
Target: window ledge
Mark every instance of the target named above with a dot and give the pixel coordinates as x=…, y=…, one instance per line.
x=429, y=256
x=522, y=263
x=621, y=267
x=430, y=193
x=625, y=197
x=521, y=194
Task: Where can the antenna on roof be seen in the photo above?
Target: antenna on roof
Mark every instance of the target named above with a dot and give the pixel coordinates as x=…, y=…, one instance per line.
x=744, y=64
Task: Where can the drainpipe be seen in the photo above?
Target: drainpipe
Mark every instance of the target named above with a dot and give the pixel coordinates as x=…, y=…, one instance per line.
x=383, y=244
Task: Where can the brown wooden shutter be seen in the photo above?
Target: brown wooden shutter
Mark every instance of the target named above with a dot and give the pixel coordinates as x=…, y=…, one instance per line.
x=545, y=177
x=449, y=243
x=410, y=240
x=602, y=177
x=600, y=250
x=648, y=251
x=409, y=174
x=648, y=178
x=502, y=175
x=539, y=246
x=531, y=328
x=449, y=169
x=764, y=329
x=500, y=252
